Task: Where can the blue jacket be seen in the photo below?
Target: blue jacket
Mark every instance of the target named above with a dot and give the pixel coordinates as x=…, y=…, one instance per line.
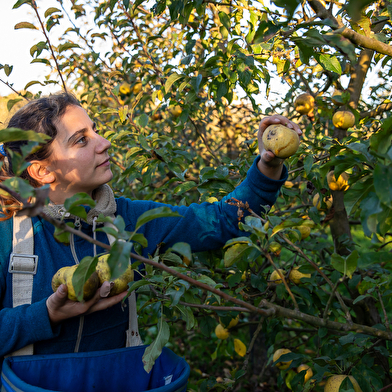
x=204, y=226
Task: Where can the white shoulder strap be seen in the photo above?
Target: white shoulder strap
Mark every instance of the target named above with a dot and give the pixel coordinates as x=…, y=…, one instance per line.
x=23, y=266
x=133, y=336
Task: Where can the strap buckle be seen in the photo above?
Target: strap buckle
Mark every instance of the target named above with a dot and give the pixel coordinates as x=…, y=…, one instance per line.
x=18, y=267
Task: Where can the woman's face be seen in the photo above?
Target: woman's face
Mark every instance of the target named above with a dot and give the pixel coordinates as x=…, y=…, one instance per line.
x=79, y=157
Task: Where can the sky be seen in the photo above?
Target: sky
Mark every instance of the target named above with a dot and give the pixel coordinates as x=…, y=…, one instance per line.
x=16, y=44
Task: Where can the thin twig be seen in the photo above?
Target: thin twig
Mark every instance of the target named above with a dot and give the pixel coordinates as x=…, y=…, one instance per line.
x=383, y=309
x=283, y=280
x=33, y=3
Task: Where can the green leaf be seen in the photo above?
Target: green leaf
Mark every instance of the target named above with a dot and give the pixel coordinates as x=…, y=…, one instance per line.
x=21, y=2
x=8, y=69
x=308, y=164
x=51, y=11
x=66, y=46
x=183, y=249
x=240, y=252
x=12, y=102
x=383, y=183
x=170, y=80
x=42, y=61
x=184, y=187
x=84, y=270
x=25, y=25
x=188, y=316
x=118, y=259
x=141, y=239
x=74, y=203
x=160, y=212
x=225, y=20
x=29, y=84
x=153, y=351
x=330, y=63
x=346, y=266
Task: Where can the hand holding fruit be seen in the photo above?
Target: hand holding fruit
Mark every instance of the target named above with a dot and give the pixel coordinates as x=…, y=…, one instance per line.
x=276, y=143
x=60, y=307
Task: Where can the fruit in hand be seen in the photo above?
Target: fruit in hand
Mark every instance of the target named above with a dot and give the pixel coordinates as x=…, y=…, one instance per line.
x=304, y=103
x=343, y=119
x=104, y=274
x=221, y=332
x=277, y=354
x=333, y=383
x=340, y=184
x=296, y=276
x=275, y=277
x=65, y=274
x=309, y=371
x=282, y=141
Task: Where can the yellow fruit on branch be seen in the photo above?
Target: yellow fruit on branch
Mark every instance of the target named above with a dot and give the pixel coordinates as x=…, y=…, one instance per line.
x=304, y=103
x=121, y=283
x=233, y=322
x=65, y=275
x=340, y=184
x=239, y=347
x=334, y=382
x=176, y=111
x=137, y=88
x=277, y=354
x=343, y=119
x=304, y=230
x=295, y=276
x=221, y=332
x=309, y=371
x=282, y=141
x=125, y=88
x=275, y=247
x=317, y=203
x=276, y=278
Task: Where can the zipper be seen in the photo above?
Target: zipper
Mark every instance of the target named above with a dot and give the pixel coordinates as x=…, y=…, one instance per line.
x=81, y=318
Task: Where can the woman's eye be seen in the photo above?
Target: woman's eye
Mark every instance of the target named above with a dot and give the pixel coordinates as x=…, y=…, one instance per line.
x=82, y=140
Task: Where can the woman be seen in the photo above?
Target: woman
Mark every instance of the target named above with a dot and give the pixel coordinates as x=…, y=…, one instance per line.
x=77, y=160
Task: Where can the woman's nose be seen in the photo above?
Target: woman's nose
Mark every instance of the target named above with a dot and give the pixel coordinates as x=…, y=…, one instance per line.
x=103, y=144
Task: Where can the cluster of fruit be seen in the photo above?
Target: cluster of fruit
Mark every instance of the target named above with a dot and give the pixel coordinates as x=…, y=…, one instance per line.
x=343, y=119
x=332, y=384
x=339, y=184
x=295, y=276
x=101, y=274
x=223, y=333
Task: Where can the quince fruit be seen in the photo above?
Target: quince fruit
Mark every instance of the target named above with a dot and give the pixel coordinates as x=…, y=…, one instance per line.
x=295, y=276
x=104, y=274
x=343, y=119
x=340, y=184
x=275, y=277
x=304, y=103
x=277, y=354
x=65, y=274
x=282, y=141
x=221, y=332
x=333, y=383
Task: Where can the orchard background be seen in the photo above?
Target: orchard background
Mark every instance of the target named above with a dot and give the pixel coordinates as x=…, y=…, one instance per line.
x=178, y=94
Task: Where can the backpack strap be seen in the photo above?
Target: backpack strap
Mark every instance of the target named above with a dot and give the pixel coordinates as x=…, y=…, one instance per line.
x=133, y=336
x=23, y=266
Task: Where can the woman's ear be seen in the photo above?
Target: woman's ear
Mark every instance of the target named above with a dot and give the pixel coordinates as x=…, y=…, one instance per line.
x=40, y=172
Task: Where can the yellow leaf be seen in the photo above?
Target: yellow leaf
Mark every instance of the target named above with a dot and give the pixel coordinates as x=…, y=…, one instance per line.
x=239, y=347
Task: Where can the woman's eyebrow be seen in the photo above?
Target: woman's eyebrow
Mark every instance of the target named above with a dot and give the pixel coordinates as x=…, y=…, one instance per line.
x=75, y=136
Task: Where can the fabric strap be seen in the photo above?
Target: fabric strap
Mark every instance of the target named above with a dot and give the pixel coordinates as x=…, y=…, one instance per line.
x=133, y=336
x=23, y=266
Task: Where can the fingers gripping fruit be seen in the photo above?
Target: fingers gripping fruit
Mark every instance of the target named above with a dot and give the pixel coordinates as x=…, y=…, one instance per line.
x=282, y=141
x=65, y=275
x=104, y=274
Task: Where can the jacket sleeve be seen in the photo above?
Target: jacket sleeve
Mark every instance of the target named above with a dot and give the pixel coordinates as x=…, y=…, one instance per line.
x=23, y=324
x=206, y=226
